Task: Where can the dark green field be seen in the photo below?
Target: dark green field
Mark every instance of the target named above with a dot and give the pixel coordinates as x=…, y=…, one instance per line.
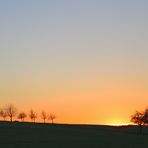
x=28, y=135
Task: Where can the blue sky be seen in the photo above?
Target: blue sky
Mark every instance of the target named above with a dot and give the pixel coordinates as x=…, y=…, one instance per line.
x=55, y=31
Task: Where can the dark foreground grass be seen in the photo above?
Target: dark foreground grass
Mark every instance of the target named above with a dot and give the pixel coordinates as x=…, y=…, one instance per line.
x=28, y=135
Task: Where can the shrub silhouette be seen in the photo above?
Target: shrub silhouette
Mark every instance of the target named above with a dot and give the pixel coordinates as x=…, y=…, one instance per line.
x=22, y=116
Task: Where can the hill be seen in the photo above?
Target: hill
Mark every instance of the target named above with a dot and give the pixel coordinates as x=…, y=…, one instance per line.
x=29, y=135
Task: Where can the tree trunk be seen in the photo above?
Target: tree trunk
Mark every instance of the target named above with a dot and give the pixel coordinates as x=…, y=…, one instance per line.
x=11, y=118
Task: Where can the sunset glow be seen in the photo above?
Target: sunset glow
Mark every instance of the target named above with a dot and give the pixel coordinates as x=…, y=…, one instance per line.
x=85, y=61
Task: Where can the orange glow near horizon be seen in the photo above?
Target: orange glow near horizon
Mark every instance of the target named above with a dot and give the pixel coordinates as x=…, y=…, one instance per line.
x=77, y=107
x=82, y=103
x=118, y=122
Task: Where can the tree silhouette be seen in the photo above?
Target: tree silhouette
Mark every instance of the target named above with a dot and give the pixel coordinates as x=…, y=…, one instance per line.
x=11, y=111
x=44, y=116
x=52, y=117
x=22, y=116
x=3, y=114
x=145, y=117
x=33, y=115
x=138, y=118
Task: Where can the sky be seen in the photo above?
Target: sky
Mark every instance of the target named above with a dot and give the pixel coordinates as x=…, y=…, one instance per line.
x=84, y=60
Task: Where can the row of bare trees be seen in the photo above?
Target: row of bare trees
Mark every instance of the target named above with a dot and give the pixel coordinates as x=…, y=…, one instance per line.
x=10, y=111
x=140, y=118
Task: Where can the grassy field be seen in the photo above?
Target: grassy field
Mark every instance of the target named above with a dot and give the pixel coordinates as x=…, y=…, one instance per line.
x=28, y=135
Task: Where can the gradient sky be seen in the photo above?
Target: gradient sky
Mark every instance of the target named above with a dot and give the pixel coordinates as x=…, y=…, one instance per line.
x=85, y=60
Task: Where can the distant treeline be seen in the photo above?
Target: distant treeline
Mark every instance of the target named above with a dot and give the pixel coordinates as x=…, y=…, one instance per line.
x=10, y=111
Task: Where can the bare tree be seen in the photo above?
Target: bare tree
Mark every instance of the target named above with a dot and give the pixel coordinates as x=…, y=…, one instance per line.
x=3, y=114
x=44, y=116
x=22, y=116
x=33, y=115
x=138, y=119
x=11, y=111
x=52, y=117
